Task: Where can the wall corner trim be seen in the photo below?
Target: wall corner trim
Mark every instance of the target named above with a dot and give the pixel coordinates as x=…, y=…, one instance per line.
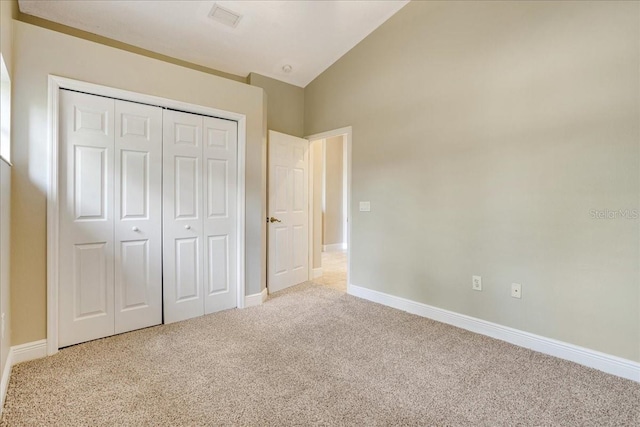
x=28, y=351
x=591, y=358
x=4, y=384
x=18, y=354
x=255, y=299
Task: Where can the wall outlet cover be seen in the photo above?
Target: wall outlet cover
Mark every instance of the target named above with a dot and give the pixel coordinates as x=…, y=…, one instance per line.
x=516, y=290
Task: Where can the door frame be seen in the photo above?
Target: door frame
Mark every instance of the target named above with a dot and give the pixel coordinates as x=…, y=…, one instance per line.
x=347, y=132
x=57, y=83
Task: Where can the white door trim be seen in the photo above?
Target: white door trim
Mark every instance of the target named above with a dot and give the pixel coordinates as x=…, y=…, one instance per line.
x=313, y=273
x=348, y=134
x=55, y=84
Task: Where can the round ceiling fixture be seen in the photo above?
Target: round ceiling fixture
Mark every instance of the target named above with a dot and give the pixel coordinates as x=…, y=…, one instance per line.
x=287, y=68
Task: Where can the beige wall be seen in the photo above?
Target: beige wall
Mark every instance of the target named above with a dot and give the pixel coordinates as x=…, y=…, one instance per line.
x=285, y=104
x=333, y=175
x=39, y=52
x=484, y=134
x=316, y=170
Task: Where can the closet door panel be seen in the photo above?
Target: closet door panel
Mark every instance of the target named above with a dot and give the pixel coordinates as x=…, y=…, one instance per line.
x=187, y=266
x=86, y=244
x=220, y=172
x=187, y=188
x=138, y=219
x=182, y=216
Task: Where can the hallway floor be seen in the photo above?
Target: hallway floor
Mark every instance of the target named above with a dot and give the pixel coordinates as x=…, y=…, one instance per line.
x=334, y=270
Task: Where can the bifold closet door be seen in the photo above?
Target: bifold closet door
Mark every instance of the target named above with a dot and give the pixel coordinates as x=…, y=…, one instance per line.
x=86, y=268
x=200, y=215
x=220, y=162
x=110, y=277
x=138, y=216
x=182, y=219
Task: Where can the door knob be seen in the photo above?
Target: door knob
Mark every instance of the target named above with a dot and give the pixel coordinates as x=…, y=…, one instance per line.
x=135, y=229
x=274, y=219
x=188, y=227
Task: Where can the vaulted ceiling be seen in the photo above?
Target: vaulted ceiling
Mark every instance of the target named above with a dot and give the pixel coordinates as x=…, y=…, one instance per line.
x=292, y=41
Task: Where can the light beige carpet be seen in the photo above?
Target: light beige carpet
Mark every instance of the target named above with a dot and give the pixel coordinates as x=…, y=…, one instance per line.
x=312, y=356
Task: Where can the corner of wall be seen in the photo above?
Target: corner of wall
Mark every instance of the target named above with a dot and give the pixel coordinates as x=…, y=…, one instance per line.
x=285, y=110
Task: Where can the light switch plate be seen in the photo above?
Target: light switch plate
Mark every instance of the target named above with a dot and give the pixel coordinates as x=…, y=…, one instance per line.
x=365, y=206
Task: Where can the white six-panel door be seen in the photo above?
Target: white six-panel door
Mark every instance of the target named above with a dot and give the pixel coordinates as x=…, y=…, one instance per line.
x=200, y=199
x=138, y=216
x=110, y=223
x=182, y=219
x=86, y=293
x=288, y=207
x=220, y=162
x=124, y=165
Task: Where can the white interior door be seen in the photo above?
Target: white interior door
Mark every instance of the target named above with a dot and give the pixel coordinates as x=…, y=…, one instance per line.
x=200, y=215
x=138, y=216
x=143, y=189
x=288, y=207
x=110, y=218
x=183, y=224
x=220, y=160
x=86, y=269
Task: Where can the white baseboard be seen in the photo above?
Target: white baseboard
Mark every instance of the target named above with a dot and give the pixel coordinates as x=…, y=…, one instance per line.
x=18, y=354
x=4, y=383
x=594, y=359
x=316, y=272
x=255, y=299
x=335, y=247
x=29, y=351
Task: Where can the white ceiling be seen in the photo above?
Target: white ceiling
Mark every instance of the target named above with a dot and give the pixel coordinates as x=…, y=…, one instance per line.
x=308, y=35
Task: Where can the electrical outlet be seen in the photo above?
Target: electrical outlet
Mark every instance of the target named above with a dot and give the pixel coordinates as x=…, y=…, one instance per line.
x=365, y=206
x=516, y=290
x=476, y=283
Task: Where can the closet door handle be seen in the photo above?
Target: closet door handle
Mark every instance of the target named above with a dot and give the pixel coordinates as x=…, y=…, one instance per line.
x=135, y=229
x=187, y=227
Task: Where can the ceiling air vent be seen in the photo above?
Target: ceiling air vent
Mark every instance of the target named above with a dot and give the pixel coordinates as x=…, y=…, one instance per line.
x=224, y=16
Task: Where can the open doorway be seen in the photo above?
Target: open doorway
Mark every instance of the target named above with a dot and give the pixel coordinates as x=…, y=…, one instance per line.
x=329, y=202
